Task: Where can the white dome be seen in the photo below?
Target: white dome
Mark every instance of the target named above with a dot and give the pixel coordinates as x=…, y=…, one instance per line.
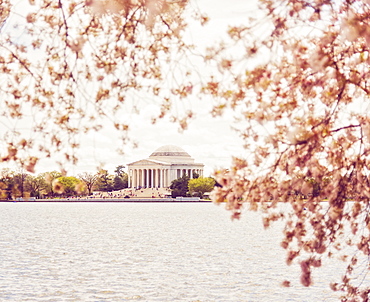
x=170, y=150
x=172, y=154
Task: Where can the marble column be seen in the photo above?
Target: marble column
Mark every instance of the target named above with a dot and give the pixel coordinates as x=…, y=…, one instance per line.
x=151, y=178
x=166, y=177
x=159, y=178
x=136, y=174
x=138, y=177
x=156, y=178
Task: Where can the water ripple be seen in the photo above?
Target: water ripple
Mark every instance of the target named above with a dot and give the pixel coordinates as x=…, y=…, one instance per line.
x=143, y=252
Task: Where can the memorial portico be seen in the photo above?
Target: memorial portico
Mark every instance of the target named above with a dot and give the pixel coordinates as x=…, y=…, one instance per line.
x=163, y=166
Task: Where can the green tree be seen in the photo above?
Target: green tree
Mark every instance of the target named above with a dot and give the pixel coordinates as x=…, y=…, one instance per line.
x=195, y=174
x=119, y=170
x=67, y=185
x=6, y=183
x=179, y=187
x=19, y=183
x=35, y=185
x=104, y=182
x=49, y=179
x=120, y=180
x=199, y=186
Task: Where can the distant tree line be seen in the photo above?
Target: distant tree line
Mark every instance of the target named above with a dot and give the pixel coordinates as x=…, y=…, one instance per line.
x=15, y=184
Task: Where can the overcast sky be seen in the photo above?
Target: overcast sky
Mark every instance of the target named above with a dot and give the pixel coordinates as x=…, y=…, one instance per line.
x=208, y=140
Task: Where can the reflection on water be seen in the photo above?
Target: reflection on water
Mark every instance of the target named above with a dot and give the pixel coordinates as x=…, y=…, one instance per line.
x=144, y=252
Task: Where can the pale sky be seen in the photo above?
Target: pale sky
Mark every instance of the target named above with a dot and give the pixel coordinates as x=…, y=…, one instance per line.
x=208, y=140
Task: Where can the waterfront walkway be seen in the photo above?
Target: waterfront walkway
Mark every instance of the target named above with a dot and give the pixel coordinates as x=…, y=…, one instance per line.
x=125, y=195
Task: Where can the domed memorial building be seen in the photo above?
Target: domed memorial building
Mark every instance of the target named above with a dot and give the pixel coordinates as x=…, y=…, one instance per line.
x=164, y=165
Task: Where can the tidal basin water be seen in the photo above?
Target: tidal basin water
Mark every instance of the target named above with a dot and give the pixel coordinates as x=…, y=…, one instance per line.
x=146, y=252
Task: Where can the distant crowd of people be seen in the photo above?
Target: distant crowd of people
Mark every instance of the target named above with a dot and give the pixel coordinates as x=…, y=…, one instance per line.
x=134, y=192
